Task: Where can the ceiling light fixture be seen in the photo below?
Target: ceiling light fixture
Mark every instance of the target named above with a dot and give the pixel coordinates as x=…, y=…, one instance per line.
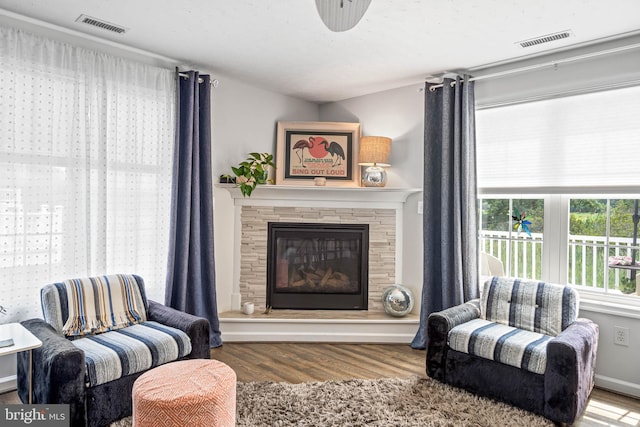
x=341, y=15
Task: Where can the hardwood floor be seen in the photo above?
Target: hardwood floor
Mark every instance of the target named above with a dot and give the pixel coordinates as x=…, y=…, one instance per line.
x=305, y=362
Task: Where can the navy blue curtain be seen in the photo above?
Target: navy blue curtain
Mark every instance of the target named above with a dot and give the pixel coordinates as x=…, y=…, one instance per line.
x=450, y=201
x=191, y=283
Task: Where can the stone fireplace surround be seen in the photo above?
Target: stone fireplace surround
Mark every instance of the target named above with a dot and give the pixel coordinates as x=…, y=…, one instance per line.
x=253, y=253
x=382, y=209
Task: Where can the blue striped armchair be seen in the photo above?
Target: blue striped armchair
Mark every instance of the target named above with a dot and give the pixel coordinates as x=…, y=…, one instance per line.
x=99, y=335
x=522, y=343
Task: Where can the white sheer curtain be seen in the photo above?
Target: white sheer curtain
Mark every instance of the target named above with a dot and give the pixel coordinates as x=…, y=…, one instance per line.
x=86, y=145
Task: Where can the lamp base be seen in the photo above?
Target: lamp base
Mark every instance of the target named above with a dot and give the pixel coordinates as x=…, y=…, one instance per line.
x=374, y=176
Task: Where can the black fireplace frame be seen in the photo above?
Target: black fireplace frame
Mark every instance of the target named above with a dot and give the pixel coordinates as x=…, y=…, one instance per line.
x=321, y=301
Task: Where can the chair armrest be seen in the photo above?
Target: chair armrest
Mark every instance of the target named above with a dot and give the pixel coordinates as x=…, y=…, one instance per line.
x=58, y=370
x=569, y=376
x=196, y=327
x=438, y=326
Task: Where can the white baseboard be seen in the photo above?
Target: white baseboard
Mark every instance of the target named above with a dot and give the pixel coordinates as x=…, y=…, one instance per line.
x=618, y=386
x=9, y=383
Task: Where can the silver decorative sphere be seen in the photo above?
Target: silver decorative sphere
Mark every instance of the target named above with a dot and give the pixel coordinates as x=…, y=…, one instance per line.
x=397, y=301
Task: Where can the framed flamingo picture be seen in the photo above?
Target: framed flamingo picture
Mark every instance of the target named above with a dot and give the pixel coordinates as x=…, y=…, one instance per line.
x=309, y=150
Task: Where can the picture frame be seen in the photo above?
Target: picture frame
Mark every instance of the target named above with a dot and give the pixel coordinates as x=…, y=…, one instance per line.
x=309, y=150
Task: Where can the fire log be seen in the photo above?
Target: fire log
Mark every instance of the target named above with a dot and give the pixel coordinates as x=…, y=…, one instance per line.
x=326, y=276
x=298, y=283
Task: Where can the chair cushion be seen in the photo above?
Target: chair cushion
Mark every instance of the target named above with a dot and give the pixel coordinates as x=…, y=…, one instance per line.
x=501, y=343
x=94, y=305
x=126, y=351
x=535, y=306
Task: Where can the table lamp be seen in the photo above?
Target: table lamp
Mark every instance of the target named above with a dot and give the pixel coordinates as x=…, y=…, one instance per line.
x=374, y=153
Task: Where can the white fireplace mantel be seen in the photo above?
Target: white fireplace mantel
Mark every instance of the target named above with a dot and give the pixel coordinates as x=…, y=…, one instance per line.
x=334, y=204
x=288, y=195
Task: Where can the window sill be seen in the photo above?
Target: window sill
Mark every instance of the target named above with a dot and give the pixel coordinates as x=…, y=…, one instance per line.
x=599, y=302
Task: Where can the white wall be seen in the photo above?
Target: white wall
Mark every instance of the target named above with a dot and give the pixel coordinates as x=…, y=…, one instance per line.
x=399, y=115
x=244, y=119
x=619, y=67
x=396, y=113
x=616, y=366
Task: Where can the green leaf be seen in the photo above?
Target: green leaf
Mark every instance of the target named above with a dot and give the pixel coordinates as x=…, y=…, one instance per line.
x=254, y=168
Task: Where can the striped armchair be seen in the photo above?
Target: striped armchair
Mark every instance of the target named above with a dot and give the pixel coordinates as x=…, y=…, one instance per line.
x=521, y=343
x=99, y=335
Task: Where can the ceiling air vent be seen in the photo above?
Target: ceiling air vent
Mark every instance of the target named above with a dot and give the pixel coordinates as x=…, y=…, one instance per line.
x=84, y=19
x=545, y=39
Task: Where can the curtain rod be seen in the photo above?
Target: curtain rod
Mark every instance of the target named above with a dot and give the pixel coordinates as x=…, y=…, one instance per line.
x=546, y=64
x=213, y=82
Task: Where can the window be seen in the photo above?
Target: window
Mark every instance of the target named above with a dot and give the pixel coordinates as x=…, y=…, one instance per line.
x=603, y=244
x=571, y=163
x=519, y=251
x=86, y=148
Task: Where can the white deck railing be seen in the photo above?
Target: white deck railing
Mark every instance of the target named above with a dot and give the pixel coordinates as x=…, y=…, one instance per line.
x=587, y=257
x=524, y=252
x=589, y=260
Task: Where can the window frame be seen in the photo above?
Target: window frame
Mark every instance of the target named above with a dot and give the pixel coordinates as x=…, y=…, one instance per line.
x=511, y=239
x=555, y=249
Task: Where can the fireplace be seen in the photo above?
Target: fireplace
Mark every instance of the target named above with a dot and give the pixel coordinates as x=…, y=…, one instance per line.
x=317, y=266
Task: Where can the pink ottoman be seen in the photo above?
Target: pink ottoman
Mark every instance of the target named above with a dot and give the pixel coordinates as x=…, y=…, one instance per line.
x=197, y=392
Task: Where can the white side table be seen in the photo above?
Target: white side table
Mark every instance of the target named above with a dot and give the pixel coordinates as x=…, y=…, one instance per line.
x=23, y=340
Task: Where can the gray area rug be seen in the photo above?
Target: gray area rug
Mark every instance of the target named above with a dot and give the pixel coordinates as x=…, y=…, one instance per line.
x=400, y=402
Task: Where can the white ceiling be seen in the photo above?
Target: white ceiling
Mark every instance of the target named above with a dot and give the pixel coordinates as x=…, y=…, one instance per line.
x=283, y=46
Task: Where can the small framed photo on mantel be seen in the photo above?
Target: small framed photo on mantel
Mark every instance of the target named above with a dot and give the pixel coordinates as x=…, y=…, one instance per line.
x=309, y=150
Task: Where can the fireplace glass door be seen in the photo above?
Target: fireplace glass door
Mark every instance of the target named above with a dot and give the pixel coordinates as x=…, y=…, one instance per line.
x=317, y=266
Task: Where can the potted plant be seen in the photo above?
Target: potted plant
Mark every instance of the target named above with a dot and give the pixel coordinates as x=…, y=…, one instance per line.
x=253, y=171
x=627, y=285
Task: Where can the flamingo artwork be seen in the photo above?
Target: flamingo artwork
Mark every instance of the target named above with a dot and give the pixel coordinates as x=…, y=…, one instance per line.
x=336, y=151
x=299, y=147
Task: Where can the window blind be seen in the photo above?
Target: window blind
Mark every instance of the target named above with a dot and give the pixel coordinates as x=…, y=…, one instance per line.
x=575, y=142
